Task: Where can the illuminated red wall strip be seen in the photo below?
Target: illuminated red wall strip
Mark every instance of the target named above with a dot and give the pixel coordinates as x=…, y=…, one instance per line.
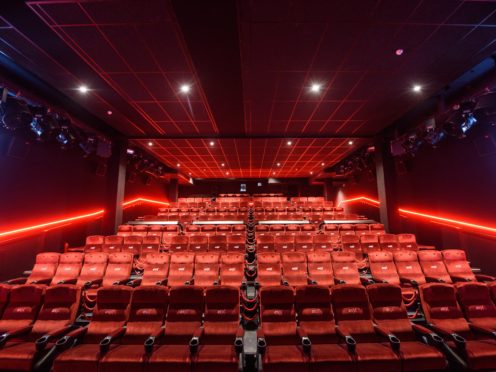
x=451, y=222
x=79, y=217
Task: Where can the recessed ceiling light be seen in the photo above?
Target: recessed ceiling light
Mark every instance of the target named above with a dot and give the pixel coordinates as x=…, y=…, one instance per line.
x=315, y=88
x=178, y=164
x=212, y=143
x=83, y=89
x=278, y=164
x=185, y=88
x=311, y=172
x=322, y=164
x=227, y=172
x=109, y=112
x=274, y=173
x=150, y=143
x=399, y=52
x=223, y=165
x=290, y=143
x=350, y=142
x=417, y=88
x=189, y=173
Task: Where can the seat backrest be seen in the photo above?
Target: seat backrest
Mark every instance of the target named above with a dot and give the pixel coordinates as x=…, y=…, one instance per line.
x=345, y=267
x=433, y=267
x=236, y=242
x=388, y=242
x=304, y=242
x=69, y=267
x=156, y=268
x=265, y=243
x=23, y=306
x=93, y=268
x=284, y=243
x=351, y=310
x=457, y=264
x=150, y=244
x=408, y=266
x=377, y=228
x=4, y=297
x=382, y=267
x=277, y=304
x=198, y=243
x=222, y=304
x=322, y=242
x=125, y=230
x=389, y=311
x=110, y=313
x=179, y=243
x=119, y=268
x=407, y=242
x=132, y=244
x=186, y=304
x=351, y=243
x=44, y=267
x=441, y=307
x=112, y=243
x=206, y=268
x=313, y=303
x=60, y=309
x=146, y=314
x=181, y=268
x=475, y=300
x=369, y=243
x=232, y=268
x=94, y=243
x=217, y=243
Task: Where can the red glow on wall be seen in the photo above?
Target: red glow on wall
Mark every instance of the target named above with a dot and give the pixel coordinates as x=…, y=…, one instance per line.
x=363, y=199
x=77, y=217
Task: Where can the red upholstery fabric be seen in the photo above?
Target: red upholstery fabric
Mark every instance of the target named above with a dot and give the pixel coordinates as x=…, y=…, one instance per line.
x=294, y=267
x=382, y=267
x=206, y=269
x=69, y=267
x=22, y=308
x=304, y=243
x=432, y=265
x=198, y=243
x=477, y=305
x=119, y=268
x=112, y=243
x=93, y=243
x=232, y=269
x=217, y=243
x=407, y=242
x=181, y=268
x=132, y=244
x=322, y=242
x=179, y=243
x=44, y=268
x=93, y=268
x=269, y=269
x=236, y=243
x=265, y=243
x=351, y=243
x=408, y=266
x=150, y=244
x=320, y=268
x=345, y=268
x=457, y=265
x=156, y=268
x=369, y=243
x=388, y=242
x=284, y=243
x=4, y=297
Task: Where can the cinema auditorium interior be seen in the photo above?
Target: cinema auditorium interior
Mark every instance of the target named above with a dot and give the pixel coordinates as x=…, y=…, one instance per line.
x=247, y=185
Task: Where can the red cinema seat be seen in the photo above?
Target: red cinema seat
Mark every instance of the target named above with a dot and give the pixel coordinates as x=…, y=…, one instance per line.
x=21, y=310
x=181, y=268
x=69, y=268
x=221, y=338
x=112, y=243
x=320, y=268
x=345, y=267
x=179, y=243
x=119, y=269
x=217, y=243
x=382, y=267
x=261, y=230
x=433, y=267
x=236, y=243
x=109, y=316
x=198, y=243
x=292, y=229
x=388, y=242
x=377, y=229
x=316, y=321
x=59, y=311
x=308, y=229
x=304, y=243
x=265, y=243
x=223, y=229
x=155, y=230
x=294, y=268
x=390, y=314
x=492, y=290
x=408, y=268
x=362, y=229
x=140, y=230
x=369, y=243
x=407, y=242
x=276, y=229
x=278, y=332
x=346, y=227
x=237, y=229
x=170, y=348
x=146, y=315
x=284, y=243
x=322, y=242
x=156, y=269
x=192, y=230
x=125, y=230
x=208, y=230
x=206, y=269
x=269, y=269
x=4, y=297
x=150, y=244
x=351, y=243
x=44, y=268
x=132, y=244
x=93, y=269
x=331, y=229
x=232, y=269
x=457, y=265
x=444, y=316
x=352, y=313
x=477, y=305
x=94, y=243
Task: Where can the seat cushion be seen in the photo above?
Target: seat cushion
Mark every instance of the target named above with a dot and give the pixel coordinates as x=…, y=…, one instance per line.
x=17, y=356
x=331, y=357
x=416, y=356
x=218, y=358
x=171, y=358
x=481, y=354
x=82, y=358
x=123, y=358
x=376, y=357
x=284, y=358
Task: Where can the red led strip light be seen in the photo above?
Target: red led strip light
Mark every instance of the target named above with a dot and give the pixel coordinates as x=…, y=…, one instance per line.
x=359, y=198
x=98, y=213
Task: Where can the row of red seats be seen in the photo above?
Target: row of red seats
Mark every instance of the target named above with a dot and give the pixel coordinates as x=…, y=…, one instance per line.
x=350, y=328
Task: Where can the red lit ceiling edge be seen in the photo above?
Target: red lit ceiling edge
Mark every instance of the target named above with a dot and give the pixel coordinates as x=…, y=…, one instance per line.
x=95, y=214
x=424, y=215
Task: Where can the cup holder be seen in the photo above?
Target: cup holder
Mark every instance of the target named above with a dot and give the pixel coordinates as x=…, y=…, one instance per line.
x=261, y=346
x=193, y=345
x=307, y=344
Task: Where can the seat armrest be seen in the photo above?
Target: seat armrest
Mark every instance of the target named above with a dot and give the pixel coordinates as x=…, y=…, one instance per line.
x=134, y=282
x=121, y=282
x=484, y=278
x=393, y=340
x=482, y=330
x=108, y=340
x=91, y=283
x=366, y=281
x=460, y=278
x=150, y=341
x=425, y=247
x=14, y=333
x=68, y=281
x=305, y=340
x=68, y=340
x=459, y=340
x=348, y=339
x=409, y=281
x=423, y=331
x=17, y=281
x=43, y=340
x=42, y=281
x=195, y=340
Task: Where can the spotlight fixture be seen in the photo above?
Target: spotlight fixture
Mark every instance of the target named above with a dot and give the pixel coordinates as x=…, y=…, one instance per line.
x=399, y=52
x=278, y=164
x=289, y=143
x=109, y=112
x=212, y=143
x=150, y=143
x=178, y=165
x=417, y=88
x=223, y=165
x=311, y=172
x=227, y=173
x=315, y=88
x=83, y=89
x=185, y=88
x=350, y=142
x=130, y=151
x=322, y=163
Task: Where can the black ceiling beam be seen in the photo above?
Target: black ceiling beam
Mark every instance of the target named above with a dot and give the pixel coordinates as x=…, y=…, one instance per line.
x=210, y=31
x=206, y=137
